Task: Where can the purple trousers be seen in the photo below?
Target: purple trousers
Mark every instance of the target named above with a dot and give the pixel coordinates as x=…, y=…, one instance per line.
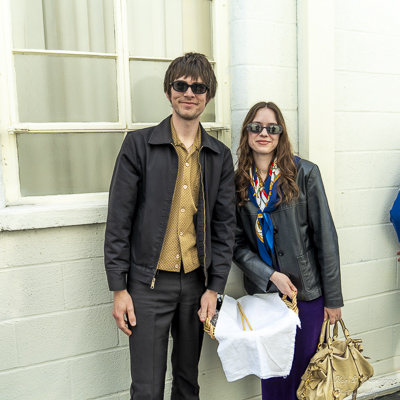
x=311, y=314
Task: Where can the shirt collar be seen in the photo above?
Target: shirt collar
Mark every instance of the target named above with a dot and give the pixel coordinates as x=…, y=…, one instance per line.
x=177, y=142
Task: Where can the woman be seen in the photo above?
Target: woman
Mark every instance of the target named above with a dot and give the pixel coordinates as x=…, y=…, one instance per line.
x=285, y=237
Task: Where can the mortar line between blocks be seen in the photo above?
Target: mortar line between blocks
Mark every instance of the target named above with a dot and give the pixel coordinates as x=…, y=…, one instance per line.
x=353, y=72
x=365, y=226
x=367, y=32
x=49, y=264
x=64, y=359
x=56, y=313
x=337, y=111
x=372, y=296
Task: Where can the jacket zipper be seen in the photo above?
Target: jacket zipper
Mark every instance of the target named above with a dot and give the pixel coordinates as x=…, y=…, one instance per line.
x=204, y=224
x=153, y=281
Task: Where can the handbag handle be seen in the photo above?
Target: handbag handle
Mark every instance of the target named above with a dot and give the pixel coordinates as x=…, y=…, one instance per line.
x=326, y=333
x=291, y=304
x=243, y=317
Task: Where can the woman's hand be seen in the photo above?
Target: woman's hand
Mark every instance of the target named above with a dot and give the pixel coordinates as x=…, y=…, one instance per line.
x=333, y=314
x=283, y=283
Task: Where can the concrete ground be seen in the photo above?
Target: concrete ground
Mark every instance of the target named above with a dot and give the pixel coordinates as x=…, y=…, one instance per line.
x=392, y=396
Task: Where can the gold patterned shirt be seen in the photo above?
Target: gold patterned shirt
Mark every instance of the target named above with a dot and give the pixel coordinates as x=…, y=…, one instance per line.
x=179, y=246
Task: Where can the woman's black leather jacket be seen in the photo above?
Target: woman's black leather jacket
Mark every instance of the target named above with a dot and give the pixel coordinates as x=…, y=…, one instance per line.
x=305, y=243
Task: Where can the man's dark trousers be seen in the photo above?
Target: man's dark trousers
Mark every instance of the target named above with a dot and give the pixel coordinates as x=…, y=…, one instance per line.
x=173, y=303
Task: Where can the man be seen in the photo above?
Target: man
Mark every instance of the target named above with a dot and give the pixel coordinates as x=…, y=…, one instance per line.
x=170, y=234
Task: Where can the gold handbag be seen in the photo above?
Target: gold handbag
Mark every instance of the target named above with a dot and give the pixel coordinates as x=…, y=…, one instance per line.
x=337, y=369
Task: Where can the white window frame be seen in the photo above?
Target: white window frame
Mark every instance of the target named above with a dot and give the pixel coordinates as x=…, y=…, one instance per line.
x=9, y=125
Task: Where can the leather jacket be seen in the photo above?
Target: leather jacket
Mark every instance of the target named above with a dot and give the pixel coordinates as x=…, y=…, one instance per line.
x=305, y=243
x=140, y=199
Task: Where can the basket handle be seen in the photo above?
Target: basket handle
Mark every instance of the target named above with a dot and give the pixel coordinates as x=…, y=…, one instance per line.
x=243, y=317
x=209, y=328
x=291, y=304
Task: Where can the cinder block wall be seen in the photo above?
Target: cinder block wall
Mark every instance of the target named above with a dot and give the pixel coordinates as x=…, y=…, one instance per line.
x=367, y=175
x=58, y=339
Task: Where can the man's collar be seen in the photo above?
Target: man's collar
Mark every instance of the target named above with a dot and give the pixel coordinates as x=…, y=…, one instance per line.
x=178, y=142
x=162, y=135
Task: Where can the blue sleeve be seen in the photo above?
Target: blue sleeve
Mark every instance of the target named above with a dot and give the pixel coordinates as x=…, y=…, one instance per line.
x=395, y=215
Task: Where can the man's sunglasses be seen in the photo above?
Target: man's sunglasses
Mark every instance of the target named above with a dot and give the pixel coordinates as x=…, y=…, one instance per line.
x=182, y=86
x=272, y=129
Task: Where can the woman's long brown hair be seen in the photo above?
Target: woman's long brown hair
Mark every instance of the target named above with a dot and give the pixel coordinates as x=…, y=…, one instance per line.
x=287, y=188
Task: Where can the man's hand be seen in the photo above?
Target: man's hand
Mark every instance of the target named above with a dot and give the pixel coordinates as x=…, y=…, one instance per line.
x=208, y=305
x=123, y=305
x=333, y=314
x=398, y=253
x=283, y=283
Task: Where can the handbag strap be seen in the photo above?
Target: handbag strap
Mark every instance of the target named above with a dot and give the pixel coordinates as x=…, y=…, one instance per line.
x=322, y=334
x=243, y=317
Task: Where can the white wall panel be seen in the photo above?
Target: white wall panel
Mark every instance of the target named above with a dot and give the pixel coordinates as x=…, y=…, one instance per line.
x=367, y=178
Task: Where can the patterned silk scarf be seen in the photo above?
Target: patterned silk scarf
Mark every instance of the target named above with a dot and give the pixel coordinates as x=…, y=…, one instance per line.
x=264, y=196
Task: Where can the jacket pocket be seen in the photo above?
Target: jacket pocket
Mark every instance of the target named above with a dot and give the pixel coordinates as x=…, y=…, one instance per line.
x=309, y=270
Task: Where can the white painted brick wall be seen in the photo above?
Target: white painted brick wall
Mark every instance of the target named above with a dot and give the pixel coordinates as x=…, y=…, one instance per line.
x=367, y=175
x=58, y=339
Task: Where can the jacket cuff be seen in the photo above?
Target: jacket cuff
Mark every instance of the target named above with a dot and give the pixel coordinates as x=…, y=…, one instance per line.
x=116, y=280
x=217, y=284
x=333, y=303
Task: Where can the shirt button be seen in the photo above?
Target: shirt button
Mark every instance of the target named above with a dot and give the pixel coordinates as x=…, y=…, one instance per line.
x=185, y=186
x=275, y=230
x=180, y=233
x=177, y=256
x=187, y=164
x=182, y=210
x=176, y=266
x=280, y=253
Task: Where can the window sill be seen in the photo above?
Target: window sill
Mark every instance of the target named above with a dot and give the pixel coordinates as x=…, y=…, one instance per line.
x=15, y=218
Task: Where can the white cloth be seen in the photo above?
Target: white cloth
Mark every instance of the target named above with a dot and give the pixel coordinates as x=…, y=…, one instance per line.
x=266, y=351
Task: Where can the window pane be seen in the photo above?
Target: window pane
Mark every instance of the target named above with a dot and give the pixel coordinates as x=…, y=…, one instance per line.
x=66, y=89
x=209, y=112
x=197, y=27
x=66, y=163
x=168, y=28
x=71, y=25
x=149, y=103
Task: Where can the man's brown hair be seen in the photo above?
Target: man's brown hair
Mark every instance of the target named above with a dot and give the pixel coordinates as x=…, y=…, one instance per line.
x=193, y=65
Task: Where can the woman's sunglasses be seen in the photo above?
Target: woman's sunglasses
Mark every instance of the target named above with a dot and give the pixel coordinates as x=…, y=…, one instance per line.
x=272, y=129
x=182, y=86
